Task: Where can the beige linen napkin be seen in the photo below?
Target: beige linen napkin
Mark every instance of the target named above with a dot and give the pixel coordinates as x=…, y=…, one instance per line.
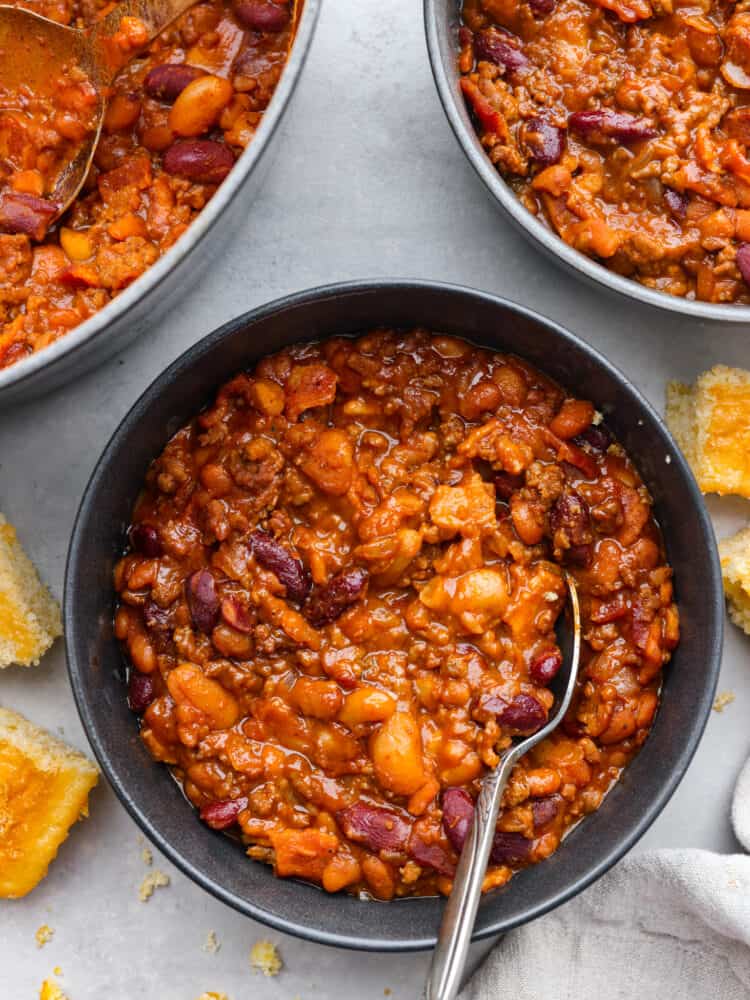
x=663, y=925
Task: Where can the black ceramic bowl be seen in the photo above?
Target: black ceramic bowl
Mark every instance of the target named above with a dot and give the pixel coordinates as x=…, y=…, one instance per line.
x=95, y=662
x=442, y=21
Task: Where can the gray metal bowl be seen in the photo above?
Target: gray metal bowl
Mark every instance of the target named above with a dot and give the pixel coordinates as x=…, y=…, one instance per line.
x=95, y=661
x=137, y=308
x=442, y=21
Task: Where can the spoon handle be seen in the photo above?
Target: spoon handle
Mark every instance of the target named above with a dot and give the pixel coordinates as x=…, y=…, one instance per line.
x=449, y=957
x=155, y=15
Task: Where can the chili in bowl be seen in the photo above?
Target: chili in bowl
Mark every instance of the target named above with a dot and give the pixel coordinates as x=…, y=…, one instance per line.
x=610, y=132
x=337, y=603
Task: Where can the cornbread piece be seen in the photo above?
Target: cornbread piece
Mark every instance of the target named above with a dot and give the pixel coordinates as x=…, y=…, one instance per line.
x=735, y=570
x=51, y=991
x=29, y=615
x=44, y=789
x=154, y=880
x=265, y=957
x=711, y=422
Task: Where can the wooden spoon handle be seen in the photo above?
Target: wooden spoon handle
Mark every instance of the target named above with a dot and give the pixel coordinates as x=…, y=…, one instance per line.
x=129, y=27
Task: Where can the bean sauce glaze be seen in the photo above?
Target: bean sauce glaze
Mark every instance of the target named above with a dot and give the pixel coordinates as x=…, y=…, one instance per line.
x=178, y=117
x=624, y=125
x=338, y=604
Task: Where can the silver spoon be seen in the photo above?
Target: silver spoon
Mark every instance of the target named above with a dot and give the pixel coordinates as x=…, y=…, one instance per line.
x=449, y=958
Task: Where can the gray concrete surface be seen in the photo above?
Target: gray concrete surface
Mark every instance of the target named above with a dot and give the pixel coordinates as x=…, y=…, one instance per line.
x=368, y=181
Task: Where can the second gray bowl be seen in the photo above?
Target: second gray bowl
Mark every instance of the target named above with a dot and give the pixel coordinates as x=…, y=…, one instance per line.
x=442, y=20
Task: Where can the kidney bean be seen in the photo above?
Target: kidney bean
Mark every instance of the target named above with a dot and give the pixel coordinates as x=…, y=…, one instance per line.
x=596, y=437
x=262, y=15
x=506, y=484
x=677, y=202
x=223, y=813
x=500, y=48
x=543, y=141
x=203, y=600
x=273, y=556
x=544, y=667
x=604, y=123
x=509, y=848
x=25, y=213
x=465, y=36
x=141, y=691
x=523, y=713
x=570, y=516
x=144, y=538
x=430, y=856
x=236, y=615
x=743, y=260
x=378, y=828
x=166, y=82
x=539, y=8
x=544, y=810
x=458, y=814
x=329, y=602
x=156, y=617
x=201, y=160
x=580, y=555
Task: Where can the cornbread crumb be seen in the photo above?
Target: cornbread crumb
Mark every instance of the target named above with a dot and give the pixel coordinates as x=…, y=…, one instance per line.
x=51, y=991
x=734, y=553
x=154, y=880
x=711, y=422
x=147, y=856
x=722, y=700
x=264, y=957
x=387, y=991
x=212, y=943
x=29, y=615
x=213, y=996
x=57, y=970
x=43, y=935
x=44, y=790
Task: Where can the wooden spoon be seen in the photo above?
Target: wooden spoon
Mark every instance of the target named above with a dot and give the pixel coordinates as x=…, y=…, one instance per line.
x=36, y=53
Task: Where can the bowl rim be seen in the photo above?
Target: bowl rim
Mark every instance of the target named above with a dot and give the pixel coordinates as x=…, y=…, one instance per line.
x=555, y=247
x=148, y=282
x=192, y=357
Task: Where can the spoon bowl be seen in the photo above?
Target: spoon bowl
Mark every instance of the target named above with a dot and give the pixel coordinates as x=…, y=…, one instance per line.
x=38, y=57
x=35, y=53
